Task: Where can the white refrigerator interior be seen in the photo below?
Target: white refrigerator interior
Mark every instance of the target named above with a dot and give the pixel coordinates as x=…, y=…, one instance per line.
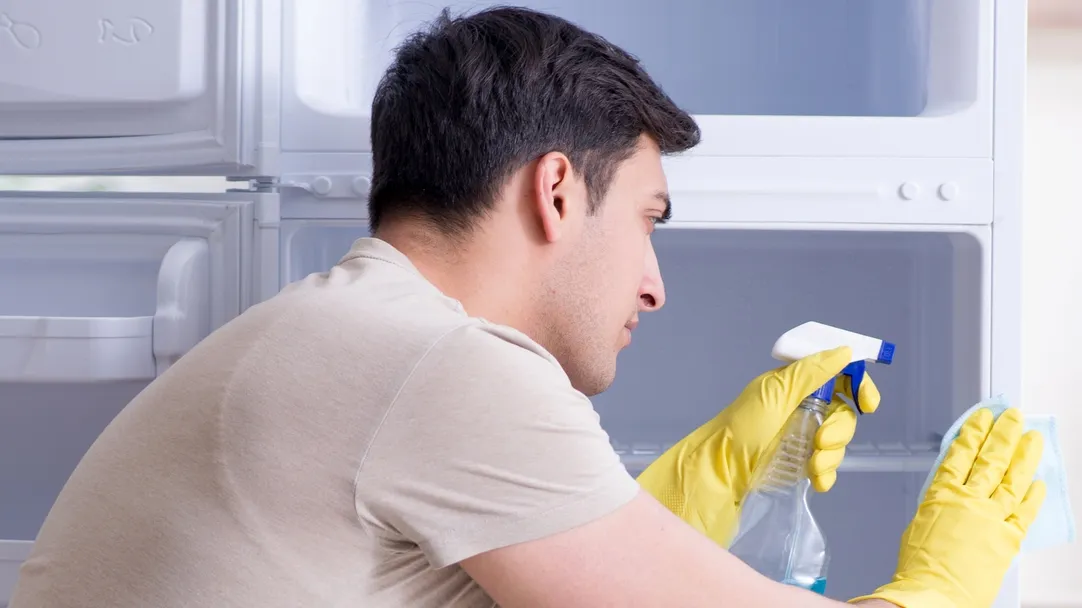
x=846, y=176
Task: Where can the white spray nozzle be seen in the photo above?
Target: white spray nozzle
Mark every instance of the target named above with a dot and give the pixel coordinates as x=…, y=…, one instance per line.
x=813, y=337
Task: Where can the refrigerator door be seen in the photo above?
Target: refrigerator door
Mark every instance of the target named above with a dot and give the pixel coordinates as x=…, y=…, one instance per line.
x=128, y=86
x=101, y=294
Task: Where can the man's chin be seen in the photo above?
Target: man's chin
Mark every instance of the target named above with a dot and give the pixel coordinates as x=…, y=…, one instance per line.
x=596, y=384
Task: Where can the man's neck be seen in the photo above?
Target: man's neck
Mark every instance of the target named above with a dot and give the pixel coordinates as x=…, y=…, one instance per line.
x=486, y=278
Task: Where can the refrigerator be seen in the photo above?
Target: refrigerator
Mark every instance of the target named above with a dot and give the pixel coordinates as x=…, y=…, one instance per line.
x=860, y=166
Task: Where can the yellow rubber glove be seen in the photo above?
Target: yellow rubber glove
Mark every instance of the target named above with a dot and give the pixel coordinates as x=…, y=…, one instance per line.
x=704, y=477
x=975, y=514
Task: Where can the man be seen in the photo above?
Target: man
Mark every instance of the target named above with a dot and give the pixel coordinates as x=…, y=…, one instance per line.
x=412, y=427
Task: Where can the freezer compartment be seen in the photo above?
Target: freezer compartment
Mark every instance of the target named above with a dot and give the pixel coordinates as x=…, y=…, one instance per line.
x=732, y=291
x=99, y=307
x=841, y=58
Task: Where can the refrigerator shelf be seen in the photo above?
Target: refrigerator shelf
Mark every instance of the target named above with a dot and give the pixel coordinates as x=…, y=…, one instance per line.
x=105, y=318
x=893, y=457
x=76, y=349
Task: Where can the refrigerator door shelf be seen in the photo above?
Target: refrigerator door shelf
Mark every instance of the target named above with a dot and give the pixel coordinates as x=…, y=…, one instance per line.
x=112, y=288
x=97, y=349
x=76, y=349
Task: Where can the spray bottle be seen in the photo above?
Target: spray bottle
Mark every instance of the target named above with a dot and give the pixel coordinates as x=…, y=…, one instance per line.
x=777, y=534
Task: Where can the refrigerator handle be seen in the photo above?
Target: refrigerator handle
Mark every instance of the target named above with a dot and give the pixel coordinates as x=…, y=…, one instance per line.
x=182, y=317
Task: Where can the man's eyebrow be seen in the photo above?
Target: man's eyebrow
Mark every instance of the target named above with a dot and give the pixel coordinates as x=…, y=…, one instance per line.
x=664, y=198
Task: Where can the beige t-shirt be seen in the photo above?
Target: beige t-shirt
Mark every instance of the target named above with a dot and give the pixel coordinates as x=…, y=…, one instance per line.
x=345, y=443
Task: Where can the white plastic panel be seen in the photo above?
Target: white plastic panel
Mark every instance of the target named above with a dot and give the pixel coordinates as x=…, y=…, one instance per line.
x=850, y=191
x=828, y=190
x=128, y=86
x=770, y=77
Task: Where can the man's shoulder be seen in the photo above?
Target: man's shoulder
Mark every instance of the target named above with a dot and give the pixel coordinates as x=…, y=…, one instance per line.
x=370, y=309
x=477, y=347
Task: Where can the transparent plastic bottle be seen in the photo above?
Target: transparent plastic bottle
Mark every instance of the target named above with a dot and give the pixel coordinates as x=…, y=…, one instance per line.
x=777, y=534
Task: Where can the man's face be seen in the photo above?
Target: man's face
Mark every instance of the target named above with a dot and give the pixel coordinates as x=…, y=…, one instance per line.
x=610, y=274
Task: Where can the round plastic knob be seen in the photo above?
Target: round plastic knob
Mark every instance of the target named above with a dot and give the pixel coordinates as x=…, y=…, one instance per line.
x=948, y=191
x=909, y=191
x=361, y=184
x=322, y=185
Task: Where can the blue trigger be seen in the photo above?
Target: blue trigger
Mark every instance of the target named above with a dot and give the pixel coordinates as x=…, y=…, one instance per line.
x=855, y=371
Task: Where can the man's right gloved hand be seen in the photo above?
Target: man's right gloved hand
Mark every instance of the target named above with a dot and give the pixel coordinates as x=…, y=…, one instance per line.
x=957, y=549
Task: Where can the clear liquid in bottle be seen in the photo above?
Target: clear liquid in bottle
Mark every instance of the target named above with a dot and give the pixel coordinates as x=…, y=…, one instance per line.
x=777, y=534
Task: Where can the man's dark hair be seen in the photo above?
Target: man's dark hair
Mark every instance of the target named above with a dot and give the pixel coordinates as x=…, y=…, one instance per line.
x=470, y=100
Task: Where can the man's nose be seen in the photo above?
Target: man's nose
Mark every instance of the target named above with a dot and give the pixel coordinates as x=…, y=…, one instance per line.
x=652, y=289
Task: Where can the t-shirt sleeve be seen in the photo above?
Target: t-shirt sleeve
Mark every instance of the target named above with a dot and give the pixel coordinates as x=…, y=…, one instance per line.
x=487, y=445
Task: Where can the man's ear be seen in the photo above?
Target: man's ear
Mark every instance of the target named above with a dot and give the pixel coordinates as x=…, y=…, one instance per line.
x=557, y=195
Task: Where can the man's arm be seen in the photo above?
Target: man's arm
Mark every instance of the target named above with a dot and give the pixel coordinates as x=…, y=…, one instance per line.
x=639, y=555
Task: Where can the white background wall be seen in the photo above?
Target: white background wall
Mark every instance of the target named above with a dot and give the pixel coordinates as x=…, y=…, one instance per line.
x=1052, y=283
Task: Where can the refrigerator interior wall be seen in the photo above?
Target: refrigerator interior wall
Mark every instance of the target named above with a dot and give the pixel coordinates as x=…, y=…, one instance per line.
x=862, y=518
x=731, y=293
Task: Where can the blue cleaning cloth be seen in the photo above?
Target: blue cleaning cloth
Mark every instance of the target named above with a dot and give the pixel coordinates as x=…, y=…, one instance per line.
x=1055, y=524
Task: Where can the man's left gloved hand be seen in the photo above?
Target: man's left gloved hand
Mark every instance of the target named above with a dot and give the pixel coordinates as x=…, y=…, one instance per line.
x=703, y=478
